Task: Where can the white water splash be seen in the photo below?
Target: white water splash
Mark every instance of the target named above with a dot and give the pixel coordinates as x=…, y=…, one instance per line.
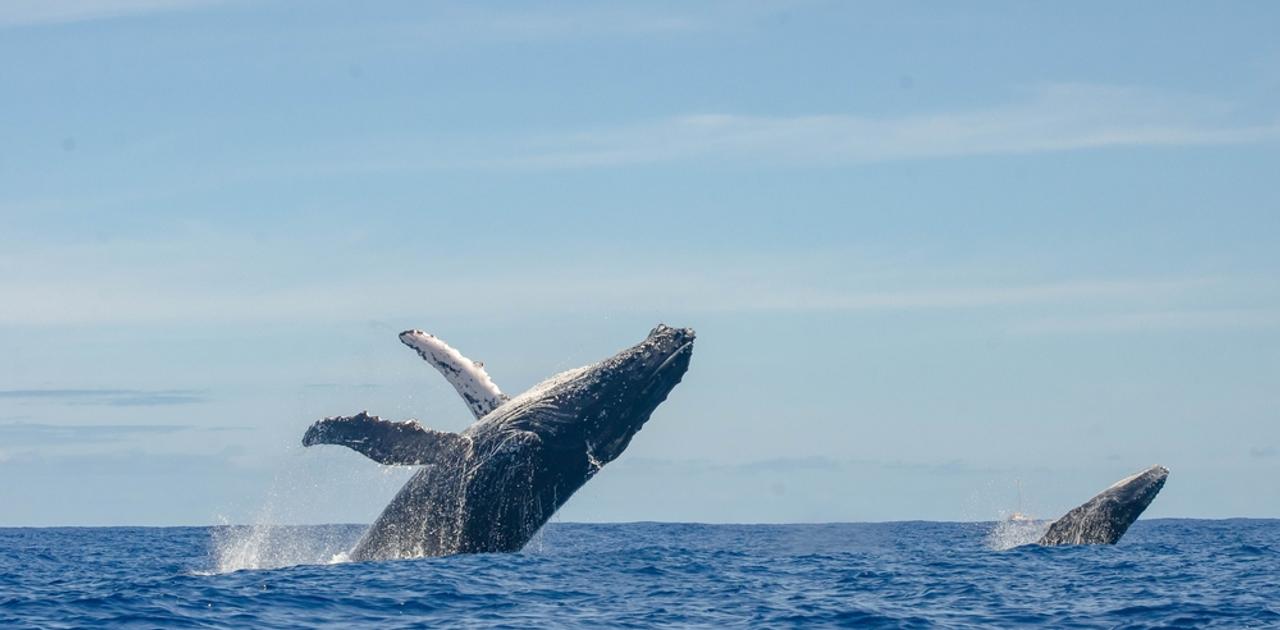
x=263, y=546
x=269, y=542
x=1013, y=527
x=1009, y=532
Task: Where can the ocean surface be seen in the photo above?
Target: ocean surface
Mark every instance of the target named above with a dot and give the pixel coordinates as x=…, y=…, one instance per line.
x=1165, y=573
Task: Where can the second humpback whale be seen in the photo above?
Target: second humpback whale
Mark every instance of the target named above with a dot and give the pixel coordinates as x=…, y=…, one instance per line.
x=492, y=486
x=1103, y=519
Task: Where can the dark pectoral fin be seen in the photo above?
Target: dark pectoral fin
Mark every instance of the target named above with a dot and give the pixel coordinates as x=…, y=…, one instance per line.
x=393, y=443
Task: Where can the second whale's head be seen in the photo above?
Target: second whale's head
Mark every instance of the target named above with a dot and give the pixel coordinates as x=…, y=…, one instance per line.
x=598, y=408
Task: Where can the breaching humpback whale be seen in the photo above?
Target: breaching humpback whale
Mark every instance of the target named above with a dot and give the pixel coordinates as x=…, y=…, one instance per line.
x=1105, y=518
x=492, y=486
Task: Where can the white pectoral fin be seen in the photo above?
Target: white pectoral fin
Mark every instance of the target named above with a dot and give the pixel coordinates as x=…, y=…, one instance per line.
x=468, y=377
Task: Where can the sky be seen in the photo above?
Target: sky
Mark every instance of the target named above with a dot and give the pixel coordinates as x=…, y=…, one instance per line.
x=933, y=253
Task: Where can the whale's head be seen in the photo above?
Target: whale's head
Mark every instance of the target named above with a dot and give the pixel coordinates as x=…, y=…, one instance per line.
x=1128, y=497
x=625, y=389
x=597, y=409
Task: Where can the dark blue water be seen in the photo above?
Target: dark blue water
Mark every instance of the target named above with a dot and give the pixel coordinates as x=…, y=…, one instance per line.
x=1164, y=573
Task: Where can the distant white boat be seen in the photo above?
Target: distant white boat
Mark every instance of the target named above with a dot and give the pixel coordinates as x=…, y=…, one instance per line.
x=1018, y=515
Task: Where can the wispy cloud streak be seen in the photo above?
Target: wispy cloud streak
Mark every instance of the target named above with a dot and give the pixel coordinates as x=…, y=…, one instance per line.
x=573, y=290
x=24, y=12
x=1154, y=321
x=32, y=434
x=109, y=397
x=1053, y=118
x=970, y=296
x=1046, y=119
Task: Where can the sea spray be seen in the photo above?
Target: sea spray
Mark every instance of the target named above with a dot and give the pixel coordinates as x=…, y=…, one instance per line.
x=271, y=539
x=1014, y=526
x=1008, y=532
x=264, y=546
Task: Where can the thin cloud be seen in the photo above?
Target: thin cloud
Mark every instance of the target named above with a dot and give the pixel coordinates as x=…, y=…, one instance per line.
x=1157, y=321
x=124, y=463
x=29, y=12
x=32, y=434
x=817, y=464
x=1049, y=118
x=472, y=24
x=1046, y=119
x=1052, y=118
x=340, y=386
x=789, y=464
x=573, y=291
x=1263, y=452
x=970, y=296
x=108, y=397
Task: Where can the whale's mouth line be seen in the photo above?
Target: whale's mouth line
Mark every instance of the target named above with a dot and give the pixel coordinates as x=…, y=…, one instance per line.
x=685, y=349
x=688, y=345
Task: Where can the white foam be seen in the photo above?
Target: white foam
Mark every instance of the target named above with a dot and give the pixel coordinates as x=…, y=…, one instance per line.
x=1008, y=533
x=264, y=540
x=266, y=546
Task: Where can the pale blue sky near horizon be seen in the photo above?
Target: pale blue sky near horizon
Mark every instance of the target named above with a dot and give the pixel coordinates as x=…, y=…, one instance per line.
x=930, y=251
